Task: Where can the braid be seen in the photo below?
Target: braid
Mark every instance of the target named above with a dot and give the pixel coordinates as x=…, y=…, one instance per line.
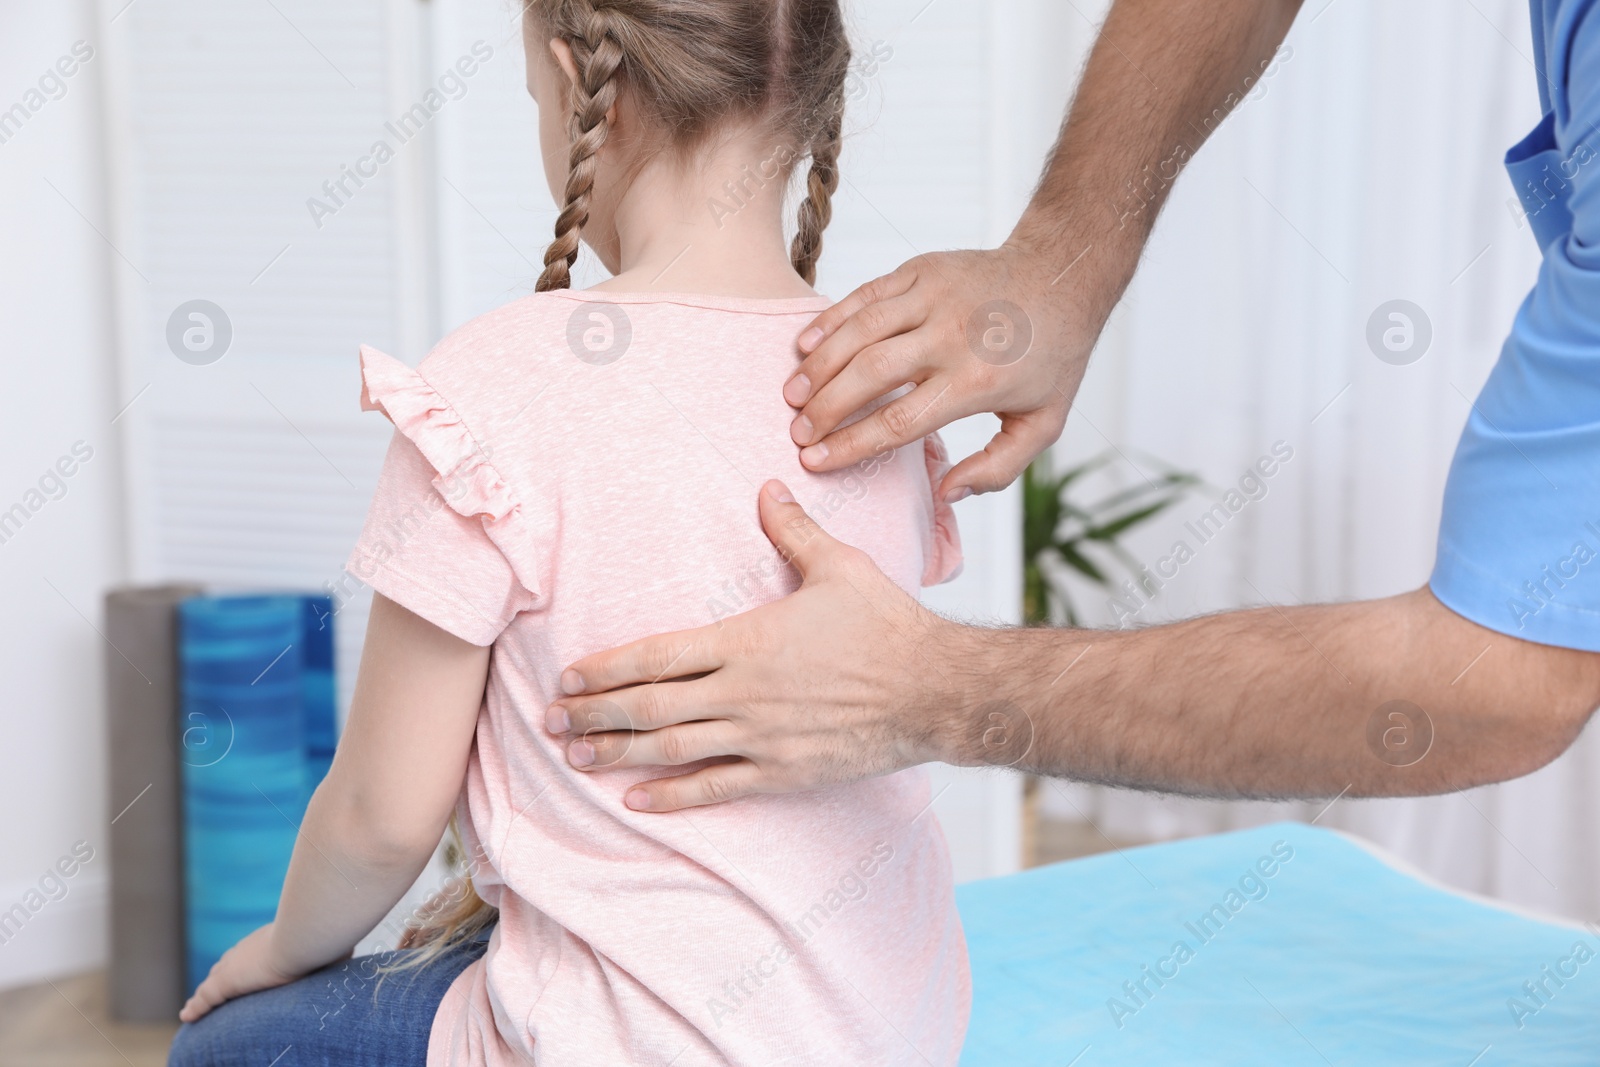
x=688, y=68
x=814, y=59
x=598, y=56
x=816, y=210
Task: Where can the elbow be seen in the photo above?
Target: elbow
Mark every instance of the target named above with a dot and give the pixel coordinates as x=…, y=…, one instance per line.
x=1531, y=741
x=377, y=835
x=1566, y=701
x=1529, y=733
x=1516, y=712
x=1568, y=713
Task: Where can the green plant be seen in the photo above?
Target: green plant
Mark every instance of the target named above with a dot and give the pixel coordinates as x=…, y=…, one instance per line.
x=1084, y=537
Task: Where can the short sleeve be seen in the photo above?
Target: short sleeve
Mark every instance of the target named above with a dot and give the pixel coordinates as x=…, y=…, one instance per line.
x=430, y=539
x=1519, y=542
x=944, y=540
x=426, y=557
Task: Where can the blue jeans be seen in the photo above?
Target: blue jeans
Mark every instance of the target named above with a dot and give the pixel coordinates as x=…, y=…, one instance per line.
x=340, y=1016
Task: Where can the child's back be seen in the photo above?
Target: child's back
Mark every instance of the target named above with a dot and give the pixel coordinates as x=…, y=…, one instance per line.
x=600, y=455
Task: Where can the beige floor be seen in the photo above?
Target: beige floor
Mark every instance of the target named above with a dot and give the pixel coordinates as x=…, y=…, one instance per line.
x=64, y=1024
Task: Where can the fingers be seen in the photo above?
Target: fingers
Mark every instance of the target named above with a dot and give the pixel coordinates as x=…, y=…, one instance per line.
x=709, y=785
x=639, y=707
x=876, y=371
x=910, y=418
x=1003, y=459
x=819, y=370
x=857, y=343
x=805, y=544
x=652, y=659
x=669, y=747
x=210, y=993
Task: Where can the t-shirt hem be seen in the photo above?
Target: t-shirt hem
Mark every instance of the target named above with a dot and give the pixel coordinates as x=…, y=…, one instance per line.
x=442, y=1046
x=1477, y=594
x=442, y=609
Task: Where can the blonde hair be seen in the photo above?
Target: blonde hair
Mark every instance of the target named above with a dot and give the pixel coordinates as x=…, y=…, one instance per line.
x=451, y=916
x=690, y=67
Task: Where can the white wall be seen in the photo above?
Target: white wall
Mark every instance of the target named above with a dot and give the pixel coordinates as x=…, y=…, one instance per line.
x=55, y=347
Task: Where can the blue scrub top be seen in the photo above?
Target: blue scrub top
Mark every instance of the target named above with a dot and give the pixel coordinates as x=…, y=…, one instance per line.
x=1519, y=546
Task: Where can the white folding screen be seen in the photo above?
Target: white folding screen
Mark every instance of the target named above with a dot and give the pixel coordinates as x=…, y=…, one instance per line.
x=495, y=210
x=331, y=175
x=239, y=133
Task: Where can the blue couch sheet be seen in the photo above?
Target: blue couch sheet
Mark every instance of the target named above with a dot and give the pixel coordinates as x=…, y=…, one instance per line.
x=1282, y=945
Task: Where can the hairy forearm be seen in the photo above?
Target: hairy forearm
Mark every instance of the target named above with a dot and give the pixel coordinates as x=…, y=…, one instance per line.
x=1161, y=76
x=1276, y=702
x=342, y=881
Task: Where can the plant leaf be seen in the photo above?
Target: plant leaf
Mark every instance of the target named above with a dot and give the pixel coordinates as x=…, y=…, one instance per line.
x=1116, y=527
x=1083, y=468
x=1173, y=483
x=1082, y=564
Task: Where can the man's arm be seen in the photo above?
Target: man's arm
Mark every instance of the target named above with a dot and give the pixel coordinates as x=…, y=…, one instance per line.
x=1161, y=76
x=849, y=677
x=1391, y=697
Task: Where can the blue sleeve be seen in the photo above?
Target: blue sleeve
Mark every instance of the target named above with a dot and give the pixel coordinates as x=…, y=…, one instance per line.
x=1519, y=545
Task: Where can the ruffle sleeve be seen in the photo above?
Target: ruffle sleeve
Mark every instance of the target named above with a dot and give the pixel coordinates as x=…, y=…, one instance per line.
x=944, y=554
x=465, y=478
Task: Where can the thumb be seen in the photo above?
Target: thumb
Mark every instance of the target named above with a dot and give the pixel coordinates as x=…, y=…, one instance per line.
x=1021, y=438
x=793, y=532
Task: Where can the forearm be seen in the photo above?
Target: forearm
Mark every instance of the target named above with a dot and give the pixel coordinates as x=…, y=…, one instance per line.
x=342, y=881
x=1160, y=78
x=1277, y=702
x=377, y=817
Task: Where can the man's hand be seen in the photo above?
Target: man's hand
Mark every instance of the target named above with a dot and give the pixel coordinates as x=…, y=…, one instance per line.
x=1009, y=331
x=975, y=331
x=827, y=685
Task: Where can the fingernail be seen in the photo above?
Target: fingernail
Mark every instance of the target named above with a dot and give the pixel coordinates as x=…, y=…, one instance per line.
x=580, y=754
x=780, y=492
x=811, y=339
x=812, y=455
x=801, y=430
x=961, y=492
x=557, y=721
x=571, y=682
x=797, y=390
x=637, y=799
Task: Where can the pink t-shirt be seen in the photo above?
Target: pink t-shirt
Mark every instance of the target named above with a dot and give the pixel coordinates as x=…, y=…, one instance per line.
x=572, y=472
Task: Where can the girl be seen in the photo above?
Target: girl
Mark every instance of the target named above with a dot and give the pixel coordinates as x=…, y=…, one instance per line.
x=569, y=473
